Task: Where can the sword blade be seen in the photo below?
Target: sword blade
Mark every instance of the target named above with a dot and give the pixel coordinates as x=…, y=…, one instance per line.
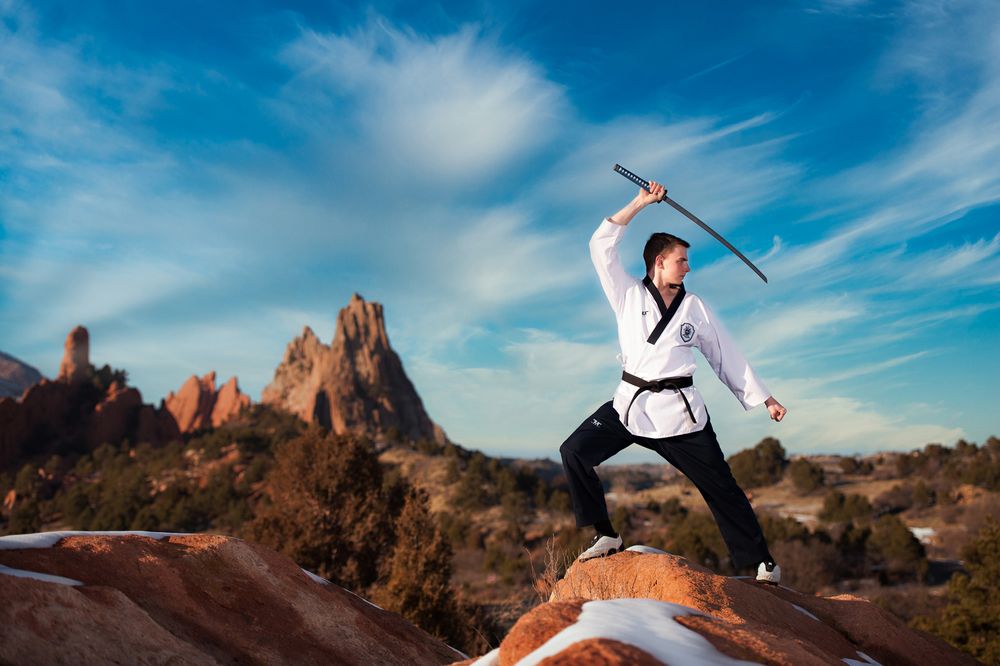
x=644, y=184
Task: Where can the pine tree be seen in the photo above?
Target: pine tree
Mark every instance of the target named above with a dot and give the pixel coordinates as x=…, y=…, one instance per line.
x=419, y=583
x=895, y=551
x=763, y=465
x=971, y=620
x=328, y=510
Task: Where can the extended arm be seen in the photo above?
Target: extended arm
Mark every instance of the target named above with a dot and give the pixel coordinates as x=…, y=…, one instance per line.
x=732, y=368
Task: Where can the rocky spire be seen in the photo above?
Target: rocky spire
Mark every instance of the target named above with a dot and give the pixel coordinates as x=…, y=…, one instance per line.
x=75, y=366
x=197, y=404
x=357, y=384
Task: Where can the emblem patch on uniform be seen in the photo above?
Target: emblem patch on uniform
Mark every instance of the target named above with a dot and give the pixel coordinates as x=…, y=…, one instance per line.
x=687, y=332
x=596, y=422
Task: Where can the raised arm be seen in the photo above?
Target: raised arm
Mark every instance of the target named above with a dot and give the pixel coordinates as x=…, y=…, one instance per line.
x=604, y=246
x=641, y=200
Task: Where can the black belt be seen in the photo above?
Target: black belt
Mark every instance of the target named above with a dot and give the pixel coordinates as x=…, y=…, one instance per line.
x=657, y=385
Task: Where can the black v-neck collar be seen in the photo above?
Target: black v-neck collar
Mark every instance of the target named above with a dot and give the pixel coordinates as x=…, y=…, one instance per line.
x=666, y=314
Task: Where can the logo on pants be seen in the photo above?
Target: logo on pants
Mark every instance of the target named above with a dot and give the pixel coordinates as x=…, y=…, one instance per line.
x=596, y=422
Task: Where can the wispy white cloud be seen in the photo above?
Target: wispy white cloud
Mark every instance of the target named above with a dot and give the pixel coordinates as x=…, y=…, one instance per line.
x=706, y=164
x=780, y=327
x=452, y=108
x=711, y=68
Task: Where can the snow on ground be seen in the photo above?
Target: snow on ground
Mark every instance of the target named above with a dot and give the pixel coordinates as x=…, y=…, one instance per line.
x=805, y=612
x=49, y=539
x=868, y=661
x=47, y=578
x=491, y=658
x=645, y=623
x=318, y=579
x=923, y=534
x=638, y=548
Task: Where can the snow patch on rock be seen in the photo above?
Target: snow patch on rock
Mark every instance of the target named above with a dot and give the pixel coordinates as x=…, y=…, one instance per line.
x=318, y=579
x=805, y=612
x=47, y=578
x=868, y=661
x=491, y=658
x=49, y=539
x=645, y=623
x=639, y=548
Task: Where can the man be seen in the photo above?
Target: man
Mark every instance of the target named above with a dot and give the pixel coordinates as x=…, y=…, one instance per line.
x=656, y=404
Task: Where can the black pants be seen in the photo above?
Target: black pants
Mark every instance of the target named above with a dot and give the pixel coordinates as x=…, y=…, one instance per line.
x=697, y=455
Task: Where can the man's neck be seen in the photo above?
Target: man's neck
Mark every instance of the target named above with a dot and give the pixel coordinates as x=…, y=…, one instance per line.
x=667, y=291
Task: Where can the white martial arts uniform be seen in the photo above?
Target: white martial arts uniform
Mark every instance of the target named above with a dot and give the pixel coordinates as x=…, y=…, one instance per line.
x=690, y=323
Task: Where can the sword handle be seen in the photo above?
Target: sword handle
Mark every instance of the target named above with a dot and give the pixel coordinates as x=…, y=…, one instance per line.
x=641, y=182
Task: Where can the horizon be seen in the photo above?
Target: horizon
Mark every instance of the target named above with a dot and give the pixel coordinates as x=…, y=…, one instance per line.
x=197, y=184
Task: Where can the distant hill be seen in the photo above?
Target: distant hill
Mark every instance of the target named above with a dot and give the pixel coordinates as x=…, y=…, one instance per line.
x=16, y=376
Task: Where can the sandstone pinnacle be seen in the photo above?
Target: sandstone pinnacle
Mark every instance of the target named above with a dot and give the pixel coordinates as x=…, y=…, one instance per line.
x=197, y=404
x=356, y=384
x=75, y=366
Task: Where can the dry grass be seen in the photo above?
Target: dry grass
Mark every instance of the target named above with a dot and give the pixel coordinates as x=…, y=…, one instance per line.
x=556, y=562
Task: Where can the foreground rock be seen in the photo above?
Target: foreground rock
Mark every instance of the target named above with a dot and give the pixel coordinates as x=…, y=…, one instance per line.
x=355, y=385
x=656, y=608
x=190, y=599
x=198, y=404
x=16, y=376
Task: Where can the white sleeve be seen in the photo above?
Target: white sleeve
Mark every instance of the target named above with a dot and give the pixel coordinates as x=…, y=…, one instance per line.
x=604, y=253
x=728, y=363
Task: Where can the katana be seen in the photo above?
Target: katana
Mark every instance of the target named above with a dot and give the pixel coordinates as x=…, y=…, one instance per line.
x=644, y=184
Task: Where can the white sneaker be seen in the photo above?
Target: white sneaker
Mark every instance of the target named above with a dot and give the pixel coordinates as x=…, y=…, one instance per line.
x=602, y=545
x=769, y=572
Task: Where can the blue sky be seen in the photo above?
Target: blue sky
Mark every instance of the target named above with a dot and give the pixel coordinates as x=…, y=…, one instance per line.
x=195, y=182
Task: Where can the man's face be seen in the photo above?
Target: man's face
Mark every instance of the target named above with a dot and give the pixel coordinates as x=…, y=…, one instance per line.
x=674, y=264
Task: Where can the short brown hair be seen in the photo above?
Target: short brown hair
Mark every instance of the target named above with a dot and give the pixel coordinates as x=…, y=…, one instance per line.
x=659, y=243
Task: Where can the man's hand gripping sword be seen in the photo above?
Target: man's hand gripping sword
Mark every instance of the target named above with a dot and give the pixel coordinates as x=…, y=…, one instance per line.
x=644, y=184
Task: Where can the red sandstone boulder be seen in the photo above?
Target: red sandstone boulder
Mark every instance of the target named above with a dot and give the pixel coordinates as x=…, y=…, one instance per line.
x=649, y=608
x=190, y=599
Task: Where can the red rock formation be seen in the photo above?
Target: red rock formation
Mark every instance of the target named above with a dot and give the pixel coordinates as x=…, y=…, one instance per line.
x=74, y=414
x=191, y=599
x=199, y=405
x=652, y=603
x=16, y=376
x=357, y=384
x=111, y=420
x=75, y=366
x=229, y=401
